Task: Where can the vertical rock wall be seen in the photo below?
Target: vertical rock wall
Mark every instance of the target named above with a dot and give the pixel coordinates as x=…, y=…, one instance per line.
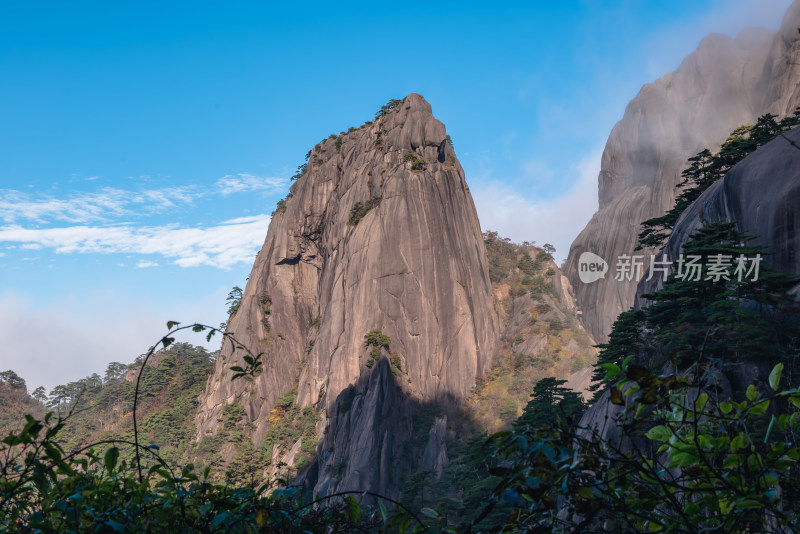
x=723, y=84
x=412, y=266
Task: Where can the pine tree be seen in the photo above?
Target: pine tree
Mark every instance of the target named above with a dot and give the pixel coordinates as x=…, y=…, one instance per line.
x=550, y=401
x=718, y=318
x=704, y=169
x=625, y=339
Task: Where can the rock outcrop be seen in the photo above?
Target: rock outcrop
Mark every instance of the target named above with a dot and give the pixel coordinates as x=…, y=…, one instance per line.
x=761, y=195
x=723, y=84
x=379, y=233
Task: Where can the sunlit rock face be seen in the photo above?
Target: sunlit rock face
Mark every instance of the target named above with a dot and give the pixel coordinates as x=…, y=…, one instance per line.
x=379, y=233
x=723, y=84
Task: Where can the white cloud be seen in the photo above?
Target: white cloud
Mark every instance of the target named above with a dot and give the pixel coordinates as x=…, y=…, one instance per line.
x=143, y=264
x=101, y=206
x=556, y=221
x=108, y=204
x=78, y=335
x=224, y=245
x=243, y=182
x=83, y=207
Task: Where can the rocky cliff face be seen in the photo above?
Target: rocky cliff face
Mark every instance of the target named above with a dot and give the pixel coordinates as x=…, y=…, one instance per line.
x=379, y=233
x=761, y=195
x=723, y=84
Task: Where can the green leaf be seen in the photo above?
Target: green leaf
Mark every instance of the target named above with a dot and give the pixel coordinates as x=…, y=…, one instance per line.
x=748, y=503
x=112, y=455
x=219, y=519
x=611, y=369
x=682, y=459
x=171, y=324
x=760, y=408
x=626, y=361
x=700, y=403
x=428, y=512
x=659, y=433
x=116, y=526
x=382, y=509
x=751, y=393
x=775, y=376
x=167, y=341
x=740, y=442
x=353, y=509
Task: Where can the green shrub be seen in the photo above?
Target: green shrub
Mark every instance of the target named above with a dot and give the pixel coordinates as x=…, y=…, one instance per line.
x=359, y=210
x=376, y=338
x=389, y=106
x=301, y=170
x=232, y=414
x=417, y=163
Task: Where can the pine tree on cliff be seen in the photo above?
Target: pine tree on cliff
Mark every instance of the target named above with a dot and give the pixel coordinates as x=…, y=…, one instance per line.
x=706, y=168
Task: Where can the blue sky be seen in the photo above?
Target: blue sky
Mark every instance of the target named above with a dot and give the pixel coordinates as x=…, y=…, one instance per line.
x=144, y=145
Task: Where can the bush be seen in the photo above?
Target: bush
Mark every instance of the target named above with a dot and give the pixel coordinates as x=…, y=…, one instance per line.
x=389, y=106
x=301, y=170
x=359, y=210
x=417, y=163
x=376, y=338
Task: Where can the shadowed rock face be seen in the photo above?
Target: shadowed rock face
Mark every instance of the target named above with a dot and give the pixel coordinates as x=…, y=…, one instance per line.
x=723, y=84
x=413, y=266
x=761, y=195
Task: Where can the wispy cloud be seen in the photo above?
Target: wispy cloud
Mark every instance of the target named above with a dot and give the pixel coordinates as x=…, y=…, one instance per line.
x=103, y=205
x=223, y=245
x=556, y=221
x=110, y=204
x=111, y=220
x=243, y=182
